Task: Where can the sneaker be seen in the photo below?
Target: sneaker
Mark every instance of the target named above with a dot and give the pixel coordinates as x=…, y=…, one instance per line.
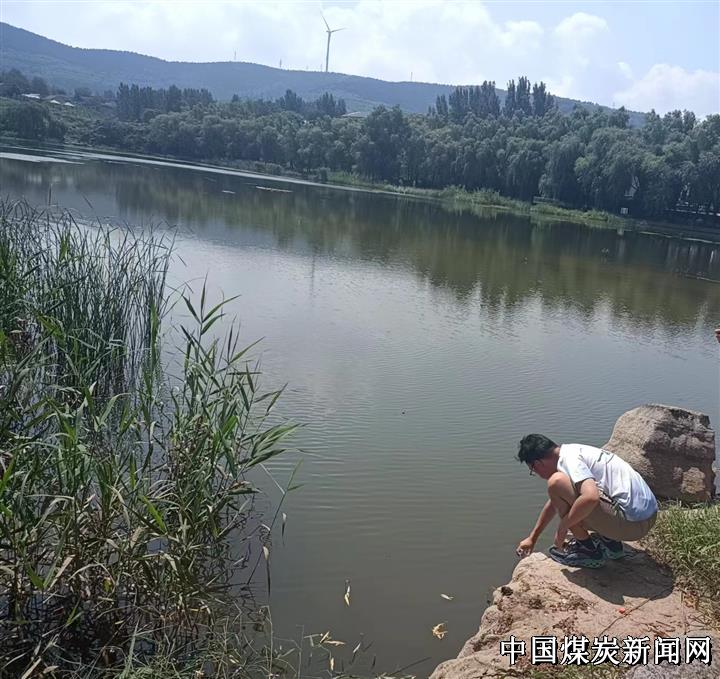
x=577, y=555
x=612, y=549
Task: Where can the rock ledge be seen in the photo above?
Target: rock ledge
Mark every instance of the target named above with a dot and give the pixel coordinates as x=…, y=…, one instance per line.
x=545, y=598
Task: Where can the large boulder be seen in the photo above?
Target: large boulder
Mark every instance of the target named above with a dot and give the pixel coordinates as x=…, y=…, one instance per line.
x=673, y=449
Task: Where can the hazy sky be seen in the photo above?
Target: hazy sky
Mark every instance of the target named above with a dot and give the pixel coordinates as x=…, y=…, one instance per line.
x=641, y=54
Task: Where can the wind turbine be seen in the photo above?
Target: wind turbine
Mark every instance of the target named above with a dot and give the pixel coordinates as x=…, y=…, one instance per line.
x=329, y=33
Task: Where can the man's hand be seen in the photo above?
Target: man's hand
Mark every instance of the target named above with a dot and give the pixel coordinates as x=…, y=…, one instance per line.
x=561, y=533
x=525, y=547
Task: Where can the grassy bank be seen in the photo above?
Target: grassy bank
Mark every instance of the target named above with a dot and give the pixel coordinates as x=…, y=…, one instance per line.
x=688, y=542
x=483, y=200
x=126, y=516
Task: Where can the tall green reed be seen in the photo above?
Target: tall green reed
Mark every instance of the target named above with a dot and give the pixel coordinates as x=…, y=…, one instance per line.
x=124, y=500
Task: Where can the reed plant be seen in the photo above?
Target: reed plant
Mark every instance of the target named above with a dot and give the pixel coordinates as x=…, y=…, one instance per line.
x=125, y=505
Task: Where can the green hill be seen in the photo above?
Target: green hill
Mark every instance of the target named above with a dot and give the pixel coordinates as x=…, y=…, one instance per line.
x=100, y=70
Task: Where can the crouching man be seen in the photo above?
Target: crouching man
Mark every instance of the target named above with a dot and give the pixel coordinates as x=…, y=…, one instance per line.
x=590, y=489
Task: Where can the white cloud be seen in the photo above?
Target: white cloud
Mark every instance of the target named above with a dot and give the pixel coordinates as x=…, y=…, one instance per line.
x=665, y=88
x=625, y=70
x=523, y=35
x=436, y=41
x=562, y=87
x=577, y=29
x=578, y=42
x=453, y=41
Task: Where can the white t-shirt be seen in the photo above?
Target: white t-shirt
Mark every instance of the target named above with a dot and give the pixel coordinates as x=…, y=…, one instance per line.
x=614, y=477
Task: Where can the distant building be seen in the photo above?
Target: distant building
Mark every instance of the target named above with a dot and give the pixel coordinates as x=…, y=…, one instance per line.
x=32, y=96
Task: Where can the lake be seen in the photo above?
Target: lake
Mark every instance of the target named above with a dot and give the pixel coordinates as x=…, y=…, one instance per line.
x=419, y=345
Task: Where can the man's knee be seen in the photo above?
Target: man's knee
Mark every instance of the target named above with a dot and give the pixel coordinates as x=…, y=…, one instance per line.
x=559, y=484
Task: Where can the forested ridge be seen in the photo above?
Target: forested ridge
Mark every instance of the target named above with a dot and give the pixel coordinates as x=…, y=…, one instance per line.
x=520, y=149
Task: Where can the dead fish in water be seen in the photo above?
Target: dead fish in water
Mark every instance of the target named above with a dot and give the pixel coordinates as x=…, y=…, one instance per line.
x=230, y=192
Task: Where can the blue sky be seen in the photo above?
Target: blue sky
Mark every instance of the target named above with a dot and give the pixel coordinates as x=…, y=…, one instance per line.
x=644, y=55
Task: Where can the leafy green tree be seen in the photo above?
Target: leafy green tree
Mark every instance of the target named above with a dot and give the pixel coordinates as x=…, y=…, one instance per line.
x=653, y=131
x=173, y=99
x=13, y=83
x=441, y=106
x=619, y=118
x=459, y=104
x=559, y=180
x=524, y=168
x=659, y=187
x=328, y=106
x=39, y=86
x=490, y=102
x=542, y=101
x=708, y=184
x=707, y=135
x=213, y=137
x=510, y=105
x=291, y=102
x=610, y=169
x=522, y=96
x=382, y=144
x=30, y=121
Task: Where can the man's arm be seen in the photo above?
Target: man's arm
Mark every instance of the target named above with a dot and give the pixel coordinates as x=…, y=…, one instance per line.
x=546, y=516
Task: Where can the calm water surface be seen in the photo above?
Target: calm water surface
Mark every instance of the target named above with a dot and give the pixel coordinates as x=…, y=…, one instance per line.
x=419, y=346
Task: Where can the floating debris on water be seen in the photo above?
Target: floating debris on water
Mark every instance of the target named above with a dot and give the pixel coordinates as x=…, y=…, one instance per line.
x=439, y=630
x=269, y=188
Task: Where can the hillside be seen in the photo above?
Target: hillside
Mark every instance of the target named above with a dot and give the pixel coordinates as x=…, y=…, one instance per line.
x=100, y=70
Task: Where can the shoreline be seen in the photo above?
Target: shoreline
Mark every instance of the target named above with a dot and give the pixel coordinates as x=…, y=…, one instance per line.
x=477, y=202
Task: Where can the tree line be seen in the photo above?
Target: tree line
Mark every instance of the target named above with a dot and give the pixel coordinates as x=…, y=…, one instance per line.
x=14, y=83
x=144, y=103
x=483, y=101
x=521, y=147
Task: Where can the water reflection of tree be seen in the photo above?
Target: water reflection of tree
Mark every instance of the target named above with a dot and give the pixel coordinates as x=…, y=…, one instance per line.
x=504, y=259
